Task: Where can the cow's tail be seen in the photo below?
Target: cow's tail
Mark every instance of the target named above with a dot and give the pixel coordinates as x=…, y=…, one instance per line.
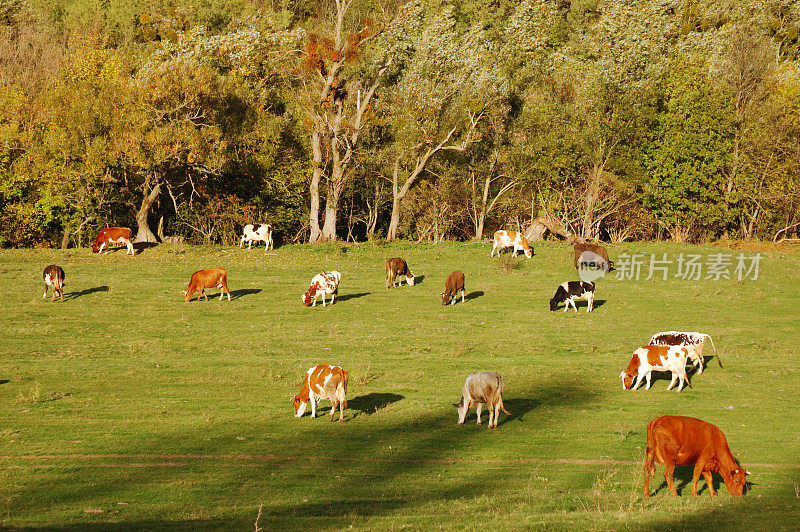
x=503, y=408
x=715, y=349
x=342, y=390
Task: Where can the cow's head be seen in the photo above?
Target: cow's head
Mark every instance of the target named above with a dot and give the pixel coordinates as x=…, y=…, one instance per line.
x=306, y=298
x=554, y=304
x=462, y=408
x=735, y=481
x=627, y=380
x=95, y=246
x=410, y=279
x=445, y=298
x=299, y=406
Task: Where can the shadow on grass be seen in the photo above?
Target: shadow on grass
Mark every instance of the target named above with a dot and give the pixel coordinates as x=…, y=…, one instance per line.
x=351, y=296
x=418, y=279
x=138, y=247
x=4, y=381
x=236, y=294
x=86, y=292
x=474, y=295
x=682, y=478
x=372, y=402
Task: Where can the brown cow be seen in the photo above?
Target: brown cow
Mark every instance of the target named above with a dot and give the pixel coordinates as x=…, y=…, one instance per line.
x=680, y=440
x=581, y=247
x=397, y=268
x=113, y=235
x=202, y=279
x=54, y=276
x=454, y=283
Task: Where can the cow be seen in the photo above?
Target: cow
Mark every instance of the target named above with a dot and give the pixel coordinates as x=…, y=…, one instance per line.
x=504, y=239
x=694, y=340
x=454, y=283
x=254, y=233
x=656, y=358
x=680, y=440
x=113, y=235
x=571, y=291
x=598, y=251
x=202, y=279
x=54, y=276
x=482, y=387
x=397, y=268
x=322, y=382
x=322, y=283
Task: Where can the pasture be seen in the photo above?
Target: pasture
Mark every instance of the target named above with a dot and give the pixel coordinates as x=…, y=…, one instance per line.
x=126, y=408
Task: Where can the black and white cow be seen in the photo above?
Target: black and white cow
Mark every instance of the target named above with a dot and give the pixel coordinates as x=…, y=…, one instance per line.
x=255, y=233
x=694, y=340
x=571, y=291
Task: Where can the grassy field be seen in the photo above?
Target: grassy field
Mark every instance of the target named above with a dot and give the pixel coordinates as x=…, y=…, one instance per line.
x=126, y=408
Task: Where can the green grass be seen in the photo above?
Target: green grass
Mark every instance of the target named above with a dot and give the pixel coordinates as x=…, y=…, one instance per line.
x=125, y=407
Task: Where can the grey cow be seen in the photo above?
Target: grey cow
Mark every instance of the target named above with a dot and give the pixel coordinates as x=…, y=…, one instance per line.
x=479, y=388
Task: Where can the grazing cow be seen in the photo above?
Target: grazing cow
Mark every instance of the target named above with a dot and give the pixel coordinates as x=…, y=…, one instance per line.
x=571, y=291
x=397, y=268
x=694, y=340
x=504, y=239
x=454, y=283
x=322, y=382
x=255, y=233
x=479, y=388
x=581, y=247
x=54, y=276
x=680, y=440
x=656, y=358
x=202, y=279
x=113, y=235
x=322, y=283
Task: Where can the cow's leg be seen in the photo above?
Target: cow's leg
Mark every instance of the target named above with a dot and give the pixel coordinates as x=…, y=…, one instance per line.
x=490, y=408
x=44, y=296
x=130, y=247
x=333, y=406
x=648, y=377
x=709, y=483
x=478, y=411
x=590, y=299
x=323, y=298
x=333, y=295
x=494, y=246
x=313, y=401
x=669, y=469
x=672, y=382
x=102, y=245
x=462, y=295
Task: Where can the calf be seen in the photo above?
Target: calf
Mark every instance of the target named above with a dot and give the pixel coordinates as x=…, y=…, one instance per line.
x=113, y=235
x=395, y=268
x=504, y=239
x=322, y=283
x=479, y=388
x=202, y=279
x=256, y=233
x=571, y=291
x=599, y=252
x=680, y=440
x=54, y=276
x=695, y=341
x=656, y=358
x=322, y=382
x=454, y=283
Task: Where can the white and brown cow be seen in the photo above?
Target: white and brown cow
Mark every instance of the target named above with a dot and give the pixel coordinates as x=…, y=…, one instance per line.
x=322, y=283
x=656, y=358
x=695, y=341
x=113, y=235
x=482, y=387
x=322, y=382
x=257, y=233
x=504, y=239
x=397, y=269
x=452, y=286
x=54, y=276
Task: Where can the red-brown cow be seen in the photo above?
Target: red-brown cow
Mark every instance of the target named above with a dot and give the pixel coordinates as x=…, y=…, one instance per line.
x=53, y=276
x=322, y=382
x=680, y=440
x=452, y=285
x=202, y=279
x=113, y=235
x=397, y=268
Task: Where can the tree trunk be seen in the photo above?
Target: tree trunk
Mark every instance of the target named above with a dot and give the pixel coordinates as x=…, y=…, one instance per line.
x=313, y=217
x=144, y=233
x=65, y=238
x=394, y=222
x=331, y=212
